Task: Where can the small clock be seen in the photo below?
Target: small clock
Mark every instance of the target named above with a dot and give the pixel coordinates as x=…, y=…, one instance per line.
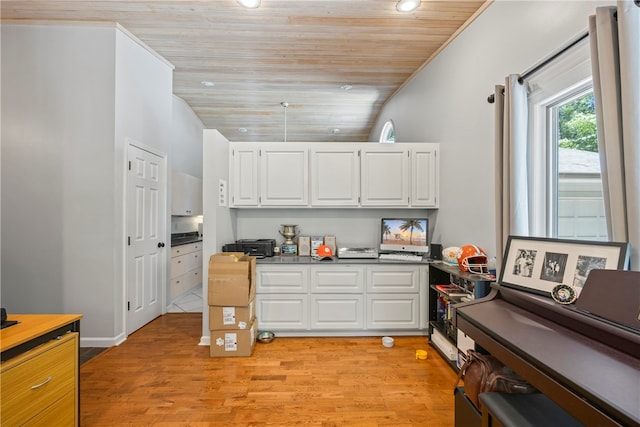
x=564, y=294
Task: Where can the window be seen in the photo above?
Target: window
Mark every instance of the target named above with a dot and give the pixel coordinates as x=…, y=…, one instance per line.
x=565, y=180
x=388, y=133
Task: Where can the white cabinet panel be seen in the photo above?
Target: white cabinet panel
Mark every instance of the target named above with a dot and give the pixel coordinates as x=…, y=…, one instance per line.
x=184, y=263
x=244, y=175
x=335, y=175
x=282, y=279
x=337, y=279
x=386, y=311
x=424, y=176
x=393, y=279
x=385, y=176
x=337, y=311
x=282, y=312
x=284, y=175
x=186, y=194
x=186, y=268
x=185, y=249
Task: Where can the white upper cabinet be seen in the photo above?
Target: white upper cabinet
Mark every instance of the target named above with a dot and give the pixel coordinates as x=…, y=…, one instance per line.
x=385, y=176
x=243, y=168
x=424, y=176
x=335, y=175
x=284, y=175
x=340, y=175
x=186, y=194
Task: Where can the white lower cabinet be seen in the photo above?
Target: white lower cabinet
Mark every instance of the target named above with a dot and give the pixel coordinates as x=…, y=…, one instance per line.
x=391, y=311
x=336, y=298
x=283, y=312
x=186, y=268
x=337, y=311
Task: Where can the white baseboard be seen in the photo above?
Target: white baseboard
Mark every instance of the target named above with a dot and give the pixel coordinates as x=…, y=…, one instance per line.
x=102, y=342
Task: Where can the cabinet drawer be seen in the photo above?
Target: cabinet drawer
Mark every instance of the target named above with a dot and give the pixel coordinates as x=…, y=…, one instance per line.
x=62, y=413
x=282, y=279
x=185, y=249
x=184, y=282
x=35, y=380
x=184, y=263
x=393, y=279
x=337, y=279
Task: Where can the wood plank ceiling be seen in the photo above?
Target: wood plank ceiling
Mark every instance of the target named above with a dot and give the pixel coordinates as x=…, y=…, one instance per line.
x=300, y=52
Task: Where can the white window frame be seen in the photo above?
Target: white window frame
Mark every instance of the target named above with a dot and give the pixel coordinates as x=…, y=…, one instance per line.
x=558, y=81
x=388, y=127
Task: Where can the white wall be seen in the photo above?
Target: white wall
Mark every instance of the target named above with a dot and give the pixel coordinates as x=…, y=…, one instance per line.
x=219, y=222
x=356, y=227
x=446, y=102
x=186, y=155
x=71, y=95
x=186, y=139
x=57, y=170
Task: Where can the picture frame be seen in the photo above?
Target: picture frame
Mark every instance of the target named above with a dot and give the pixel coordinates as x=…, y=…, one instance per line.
x=537, y=265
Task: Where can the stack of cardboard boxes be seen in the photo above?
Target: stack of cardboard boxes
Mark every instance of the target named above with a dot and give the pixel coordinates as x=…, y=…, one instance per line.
x=231, y=298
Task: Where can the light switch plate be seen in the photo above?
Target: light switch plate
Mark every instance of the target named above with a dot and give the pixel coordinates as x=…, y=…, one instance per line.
x=222, y=192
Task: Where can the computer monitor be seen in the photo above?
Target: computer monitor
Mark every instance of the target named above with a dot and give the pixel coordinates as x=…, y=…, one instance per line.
x=404, y=235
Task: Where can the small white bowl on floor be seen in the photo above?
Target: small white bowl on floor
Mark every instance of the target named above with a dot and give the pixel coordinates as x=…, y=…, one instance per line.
x=387, y=341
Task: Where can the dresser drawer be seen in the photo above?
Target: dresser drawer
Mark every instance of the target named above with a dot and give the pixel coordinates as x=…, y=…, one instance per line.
x=184, y=263
x=62, y=413
x=185, y=249
x=35, y=380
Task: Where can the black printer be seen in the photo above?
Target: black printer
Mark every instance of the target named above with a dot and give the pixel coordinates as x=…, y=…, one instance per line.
x=254, y=247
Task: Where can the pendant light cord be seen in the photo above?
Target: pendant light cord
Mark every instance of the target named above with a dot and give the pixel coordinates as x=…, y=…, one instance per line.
x=285, y=105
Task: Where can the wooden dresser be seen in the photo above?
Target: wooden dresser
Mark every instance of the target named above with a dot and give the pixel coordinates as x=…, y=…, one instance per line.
x=39, y=372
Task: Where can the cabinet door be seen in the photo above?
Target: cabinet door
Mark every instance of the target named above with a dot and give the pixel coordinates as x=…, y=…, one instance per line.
x=393, y=279
x=387, y=311
x=424, y=176
x=282, y=312
x=337, y=279
x=385, y=176
x=186, y=194
x=337, y=311
x=244, y=175
x=282, y=279
x=335, y=176
x=284, y=175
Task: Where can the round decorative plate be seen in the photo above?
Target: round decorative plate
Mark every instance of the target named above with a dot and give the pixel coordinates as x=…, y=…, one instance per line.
x=564, y=294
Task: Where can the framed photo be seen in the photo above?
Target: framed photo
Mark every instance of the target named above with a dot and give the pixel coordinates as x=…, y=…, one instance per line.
x=539, y=264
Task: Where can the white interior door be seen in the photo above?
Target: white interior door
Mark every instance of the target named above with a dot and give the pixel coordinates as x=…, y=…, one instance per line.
x=146, y=231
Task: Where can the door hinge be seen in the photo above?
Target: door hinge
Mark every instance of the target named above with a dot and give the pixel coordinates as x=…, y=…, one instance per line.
x=128, y=305
x=128, y=240
x=129, y=164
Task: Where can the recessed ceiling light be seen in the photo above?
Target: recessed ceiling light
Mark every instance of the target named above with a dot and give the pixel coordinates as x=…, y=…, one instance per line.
x=243, y=130
x=249, y=4
x=407, y=5
x=207, y=83
x=335, y=130
x=346, y=87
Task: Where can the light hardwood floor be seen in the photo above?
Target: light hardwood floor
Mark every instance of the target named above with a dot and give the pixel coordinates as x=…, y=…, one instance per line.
x=161, y=377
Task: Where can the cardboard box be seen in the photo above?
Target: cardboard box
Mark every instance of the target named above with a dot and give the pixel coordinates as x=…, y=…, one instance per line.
x=232, y=277
x=231, y=317
x=234, y=342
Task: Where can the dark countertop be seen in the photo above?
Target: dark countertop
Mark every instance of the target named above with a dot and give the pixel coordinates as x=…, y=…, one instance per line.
x=178, y=239
x=294, y=259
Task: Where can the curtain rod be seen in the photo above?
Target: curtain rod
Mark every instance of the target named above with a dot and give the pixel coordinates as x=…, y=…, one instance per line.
x=491, y=98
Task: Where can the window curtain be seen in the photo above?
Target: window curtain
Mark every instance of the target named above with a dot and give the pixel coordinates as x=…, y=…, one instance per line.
x=615, y=58
x=511, y=186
